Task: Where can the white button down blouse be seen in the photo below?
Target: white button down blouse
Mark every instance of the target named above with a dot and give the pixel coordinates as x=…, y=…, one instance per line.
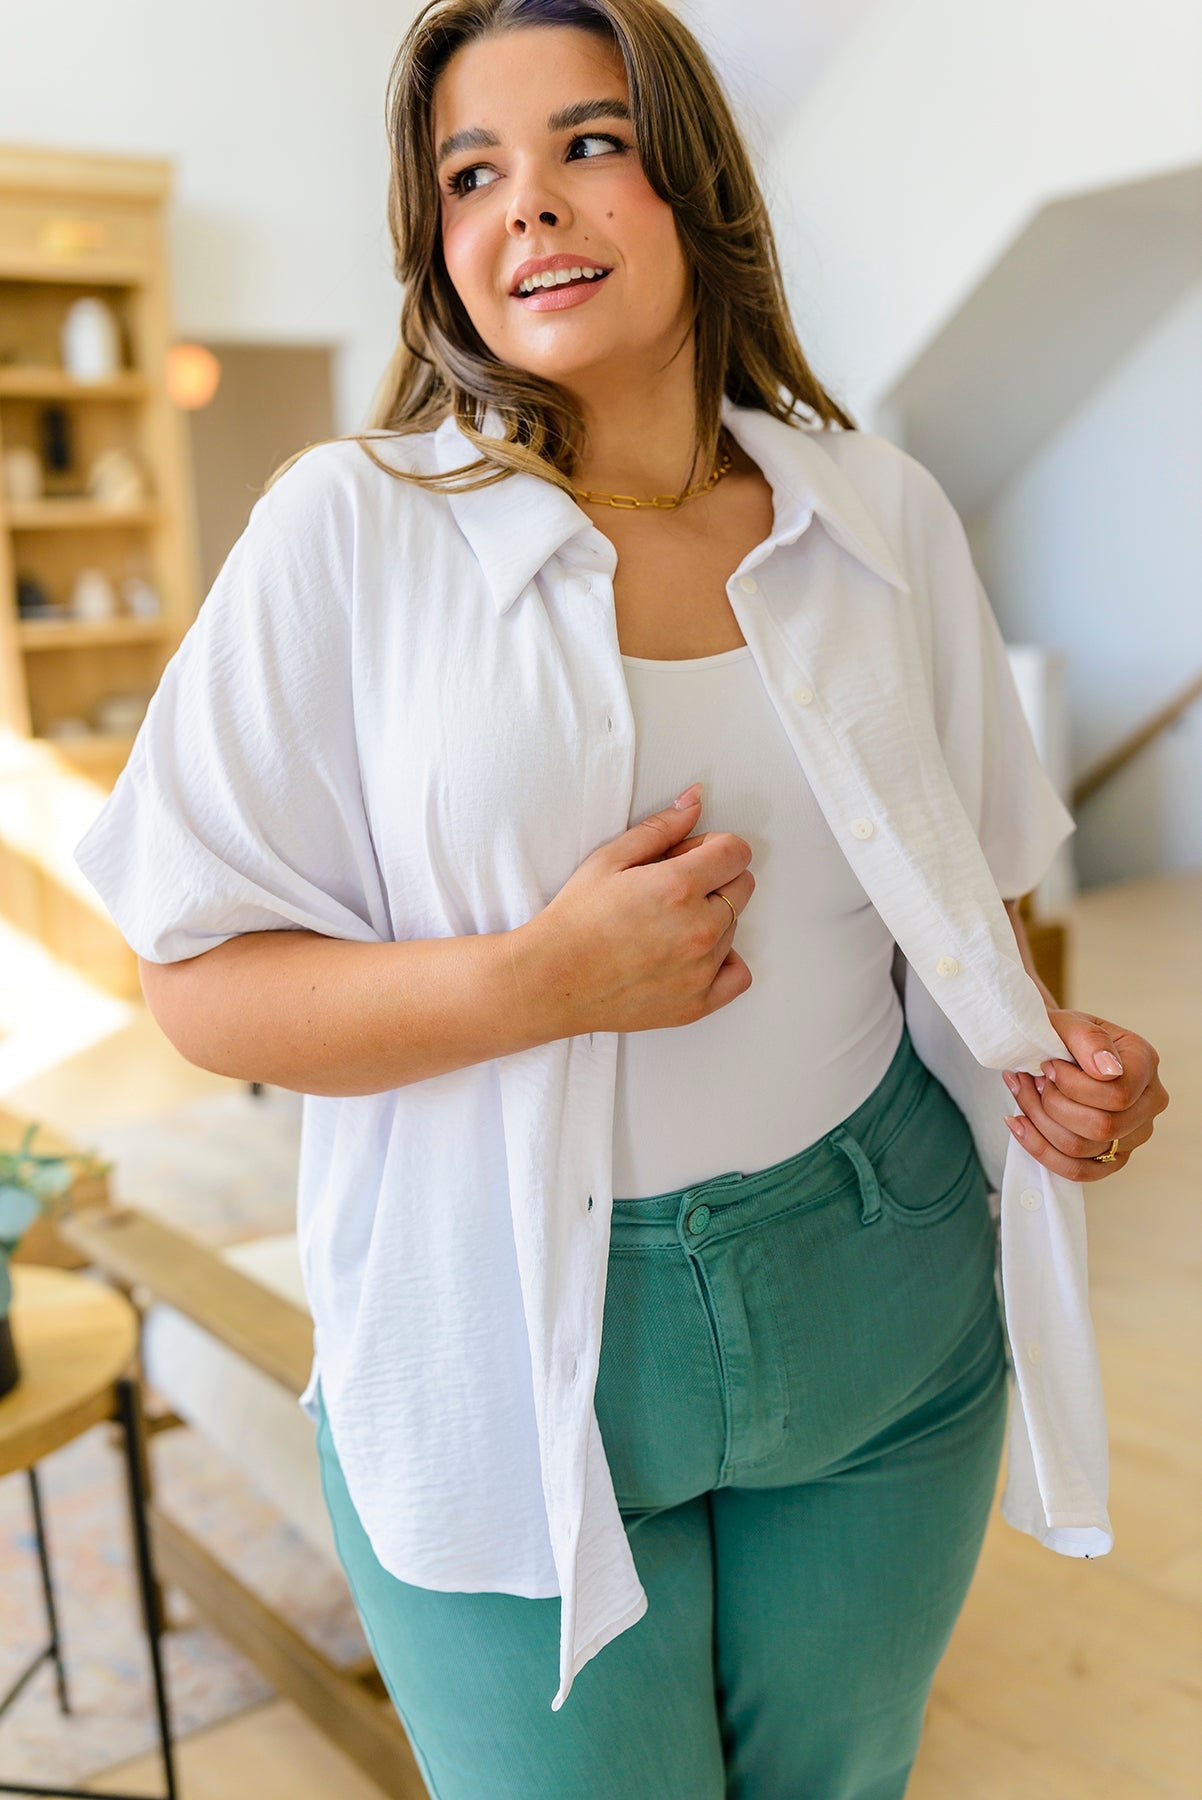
x=402, y=715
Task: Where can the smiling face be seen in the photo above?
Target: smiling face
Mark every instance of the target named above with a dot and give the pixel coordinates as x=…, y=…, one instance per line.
x=539, y=177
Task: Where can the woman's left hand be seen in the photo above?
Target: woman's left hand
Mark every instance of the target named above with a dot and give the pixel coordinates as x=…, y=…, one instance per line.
x=1072, y=1114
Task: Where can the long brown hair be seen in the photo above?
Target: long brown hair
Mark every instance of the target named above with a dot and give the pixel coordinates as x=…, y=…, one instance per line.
x=694, y=158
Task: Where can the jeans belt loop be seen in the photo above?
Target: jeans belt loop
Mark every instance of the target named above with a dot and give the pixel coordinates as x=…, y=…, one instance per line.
x=870, y=1193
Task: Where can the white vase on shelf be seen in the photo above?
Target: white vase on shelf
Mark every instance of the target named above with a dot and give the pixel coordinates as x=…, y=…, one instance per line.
x=141, y=599
x=93, y=596
x=117, y=479
x=91, y=340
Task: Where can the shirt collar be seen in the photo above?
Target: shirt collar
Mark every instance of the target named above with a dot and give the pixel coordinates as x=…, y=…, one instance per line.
x=515, y=526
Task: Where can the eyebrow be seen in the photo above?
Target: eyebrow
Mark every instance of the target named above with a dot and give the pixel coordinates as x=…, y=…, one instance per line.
x=475, y=137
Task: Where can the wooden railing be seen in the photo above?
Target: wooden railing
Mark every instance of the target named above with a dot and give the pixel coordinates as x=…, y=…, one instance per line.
x=1116, y=759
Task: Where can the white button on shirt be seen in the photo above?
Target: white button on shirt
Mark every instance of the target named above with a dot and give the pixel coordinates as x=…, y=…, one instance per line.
x=402, y=715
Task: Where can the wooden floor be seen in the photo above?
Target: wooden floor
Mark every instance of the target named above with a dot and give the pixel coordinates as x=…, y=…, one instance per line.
x=1065, y=1679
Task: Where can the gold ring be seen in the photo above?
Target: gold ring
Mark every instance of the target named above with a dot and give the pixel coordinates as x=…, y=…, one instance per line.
x=1109, y=1156
x=734, y=915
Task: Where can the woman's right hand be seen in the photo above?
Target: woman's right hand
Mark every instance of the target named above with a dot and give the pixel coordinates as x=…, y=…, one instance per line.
x=637, y=939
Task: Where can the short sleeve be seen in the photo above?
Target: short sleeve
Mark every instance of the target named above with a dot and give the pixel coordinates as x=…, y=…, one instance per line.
x=240, y=808
x=1019, y=817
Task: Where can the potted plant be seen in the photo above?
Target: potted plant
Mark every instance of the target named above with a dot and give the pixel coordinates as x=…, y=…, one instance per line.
x=29, y=1185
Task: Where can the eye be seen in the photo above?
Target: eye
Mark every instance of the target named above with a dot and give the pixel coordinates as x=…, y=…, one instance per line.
x=463, y=180
x=457, y=182
x=595, y=137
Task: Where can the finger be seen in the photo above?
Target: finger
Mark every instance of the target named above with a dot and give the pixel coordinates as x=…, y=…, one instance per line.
x=1061, y=1137
x=1089, y=1042
x=689, y=843
x=1073, y=1168
x=1068, y=1124
x=1132, y=1093
x=1089, y=1090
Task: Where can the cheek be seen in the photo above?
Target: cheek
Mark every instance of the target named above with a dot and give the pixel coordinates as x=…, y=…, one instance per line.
x=467, y=256
x=649, y=227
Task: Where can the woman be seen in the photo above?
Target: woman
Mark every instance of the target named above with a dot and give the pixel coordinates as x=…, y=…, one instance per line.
x=725, y=1444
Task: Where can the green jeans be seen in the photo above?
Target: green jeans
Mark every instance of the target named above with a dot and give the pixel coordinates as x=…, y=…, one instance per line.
x=802, y=1395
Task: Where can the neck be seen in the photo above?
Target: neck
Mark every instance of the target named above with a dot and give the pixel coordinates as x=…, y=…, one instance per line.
x=639, y=433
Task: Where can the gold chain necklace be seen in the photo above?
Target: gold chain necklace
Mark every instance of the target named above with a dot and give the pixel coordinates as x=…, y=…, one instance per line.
x=666, y=502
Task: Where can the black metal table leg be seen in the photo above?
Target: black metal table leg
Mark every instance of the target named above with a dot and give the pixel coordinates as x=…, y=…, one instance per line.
x=55, y=1645
x=130, y=1413
x=54, y=1648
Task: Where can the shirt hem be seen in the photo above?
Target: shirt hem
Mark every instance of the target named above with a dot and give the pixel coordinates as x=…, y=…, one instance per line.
x=606, y=1636
x=1067, y=1533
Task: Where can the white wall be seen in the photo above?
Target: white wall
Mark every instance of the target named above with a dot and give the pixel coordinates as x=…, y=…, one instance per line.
x=1094, y=549
x=917, y=158
x=274, y=115
x=937, y=131
x=771, y=52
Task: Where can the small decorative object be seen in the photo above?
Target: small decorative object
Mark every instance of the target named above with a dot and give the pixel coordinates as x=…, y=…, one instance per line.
x=120, y=713
x=140, y=598
x=116, y=479
x=22, y=474
x=29, y=1185
x=56, y=432
x=33, y=602
x=93, y=596
x=91, y=341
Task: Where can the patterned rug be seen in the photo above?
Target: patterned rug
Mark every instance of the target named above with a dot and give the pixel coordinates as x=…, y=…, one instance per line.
x=225, y=1169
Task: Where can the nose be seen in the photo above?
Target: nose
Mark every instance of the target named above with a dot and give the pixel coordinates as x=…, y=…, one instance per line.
x=532, y=202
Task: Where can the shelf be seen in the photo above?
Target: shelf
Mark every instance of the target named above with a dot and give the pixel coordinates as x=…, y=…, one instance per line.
x=70, y=634
x=29, y=756
x=75, y=225
x=55, y=515
x=99, y=747
x=34, y=267
x=57, y=384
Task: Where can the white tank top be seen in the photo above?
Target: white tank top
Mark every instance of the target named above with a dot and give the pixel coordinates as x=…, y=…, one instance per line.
x=778, y=1067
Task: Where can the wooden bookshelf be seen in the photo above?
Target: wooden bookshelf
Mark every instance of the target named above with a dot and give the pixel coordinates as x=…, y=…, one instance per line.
x=76, y=225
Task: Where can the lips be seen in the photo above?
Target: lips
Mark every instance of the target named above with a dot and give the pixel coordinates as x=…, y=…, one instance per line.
x=560, y=282
x=543, y=265
x=561, y=295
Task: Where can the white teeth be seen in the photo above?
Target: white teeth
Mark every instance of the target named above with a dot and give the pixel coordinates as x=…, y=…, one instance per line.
x=559, y=277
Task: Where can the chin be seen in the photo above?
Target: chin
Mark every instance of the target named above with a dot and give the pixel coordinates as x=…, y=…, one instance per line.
x=548, y=365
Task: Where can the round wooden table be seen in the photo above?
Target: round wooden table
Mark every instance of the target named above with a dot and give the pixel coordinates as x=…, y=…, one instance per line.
x=76, y=1341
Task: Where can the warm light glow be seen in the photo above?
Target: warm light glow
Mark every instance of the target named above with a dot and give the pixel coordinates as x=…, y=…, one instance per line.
x=192, y=375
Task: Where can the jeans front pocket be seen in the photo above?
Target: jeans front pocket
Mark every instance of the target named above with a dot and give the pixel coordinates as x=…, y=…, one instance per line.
x=930, y=1167
x=933, y=1205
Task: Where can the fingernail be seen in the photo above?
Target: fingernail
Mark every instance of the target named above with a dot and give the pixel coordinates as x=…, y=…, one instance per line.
x=1049, y=1070
x=1106, y=1063
x=1039, y=1083
x=1019, y=1130
x=689, y=797
x=1010, y=1080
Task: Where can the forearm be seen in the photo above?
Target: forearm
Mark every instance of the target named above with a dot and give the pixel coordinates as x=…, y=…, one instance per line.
x=322, y=1015
x=1024, y=950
